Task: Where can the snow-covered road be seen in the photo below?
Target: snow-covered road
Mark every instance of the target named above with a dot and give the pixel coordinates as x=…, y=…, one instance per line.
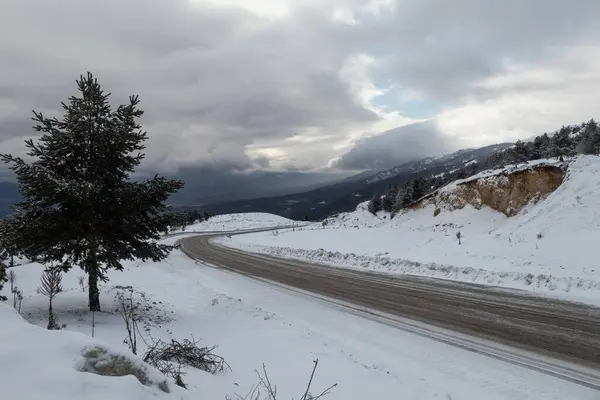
x=546, y=326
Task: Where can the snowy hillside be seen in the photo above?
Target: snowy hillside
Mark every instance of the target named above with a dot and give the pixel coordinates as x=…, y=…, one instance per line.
x=251, y=323
x=42, y=364
x=232, y=222
x=548, y=247
x=359, y=218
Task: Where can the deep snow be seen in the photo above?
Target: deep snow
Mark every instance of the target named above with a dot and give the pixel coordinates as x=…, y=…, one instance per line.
x=548, y=248
x=252, y=323
x=41, y=364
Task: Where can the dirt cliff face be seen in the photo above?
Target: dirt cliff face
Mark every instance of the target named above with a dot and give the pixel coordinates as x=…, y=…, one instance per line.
x=507, y=192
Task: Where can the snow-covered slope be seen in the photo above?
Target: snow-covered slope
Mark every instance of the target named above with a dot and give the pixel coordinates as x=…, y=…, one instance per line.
x=548, y=247
x=251, y=323
x=359, y=218
x=231, y=222
x=41, y=364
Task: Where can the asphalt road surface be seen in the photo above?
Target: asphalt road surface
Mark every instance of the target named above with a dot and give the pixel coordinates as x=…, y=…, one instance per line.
x=555, y=329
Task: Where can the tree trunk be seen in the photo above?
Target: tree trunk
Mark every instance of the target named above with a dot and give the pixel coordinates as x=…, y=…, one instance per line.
x=51, y=320
x=93, y=292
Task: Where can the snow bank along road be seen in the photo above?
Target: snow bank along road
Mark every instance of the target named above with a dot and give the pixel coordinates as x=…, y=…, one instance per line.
x=555, y=337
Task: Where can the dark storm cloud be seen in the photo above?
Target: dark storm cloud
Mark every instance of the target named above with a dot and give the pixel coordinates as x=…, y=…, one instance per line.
x=397, y=146
x=211, y=80
x=216, y=80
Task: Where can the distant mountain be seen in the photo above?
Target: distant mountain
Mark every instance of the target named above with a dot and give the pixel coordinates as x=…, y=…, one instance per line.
x=298, y=195
x=456, y=159
x=203, y=186
x=210, y=186
x=345, y=195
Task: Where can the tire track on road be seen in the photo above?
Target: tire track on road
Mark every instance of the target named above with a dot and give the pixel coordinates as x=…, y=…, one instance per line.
x=563, y=331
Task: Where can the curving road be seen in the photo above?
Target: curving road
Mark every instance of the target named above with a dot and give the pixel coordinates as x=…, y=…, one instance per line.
x=552, y=331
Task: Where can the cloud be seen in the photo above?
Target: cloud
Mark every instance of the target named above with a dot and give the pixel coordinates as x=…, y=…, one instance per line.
x=396, y=146
x=291, y=84
x=439, y=49
x=213, y=80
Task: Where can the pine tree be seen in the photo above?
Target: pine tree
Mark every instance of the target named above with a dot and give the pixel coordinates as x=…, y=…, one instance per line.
x=541, y=147
x=387, y=204
x=418, y=189
x=589, y=142
x=408, y=194
x=374, y=205
x=6, y=258
x=521, y=152
x=3, y=279
x=563, y=143
x=399, y=197
x=80, y=206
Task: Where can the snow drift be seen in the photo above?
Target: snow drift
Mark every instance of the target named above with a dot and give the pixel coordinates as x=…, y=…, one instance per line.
x=42, y=364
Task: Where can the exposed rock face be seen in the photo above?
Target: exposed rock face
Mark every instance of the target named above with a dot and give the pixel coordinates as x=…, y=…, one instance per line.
x=507, y=192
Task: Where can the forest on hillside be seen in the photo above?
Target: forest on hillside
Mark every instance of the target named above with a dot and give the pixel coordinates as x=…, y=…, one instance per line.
x=566, y=142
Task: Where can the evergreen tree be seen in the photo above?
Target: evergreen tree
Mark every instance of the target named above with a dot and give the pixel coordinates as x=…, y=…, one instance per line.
x=79, y=205
x=399, y=198
x=408, y=194
x=521, y=152
x=6, y=258
x=3, y=277
x=563, y=143
x=389, y=199
x=541, y=147
x=589, y=142
x=375, y=204
x=418, y=189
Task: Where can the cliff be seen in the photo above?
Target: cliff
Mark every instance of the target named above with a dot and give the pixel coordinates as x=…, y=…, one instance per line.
x=506, y=190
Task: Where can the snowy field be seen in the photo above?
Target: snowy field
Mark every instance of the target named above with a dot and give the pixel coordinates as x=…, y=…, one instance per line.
x=549, y=248
x=251, y=323
x=232, y=222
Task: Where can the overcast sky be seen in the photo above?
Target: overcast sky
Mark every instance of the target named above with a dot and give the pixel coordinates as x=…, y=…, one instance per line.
x=305, y=84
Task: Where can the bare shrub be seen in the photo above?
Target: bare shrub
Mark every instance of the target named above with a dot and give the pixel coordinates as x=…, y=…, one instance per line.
x=185, y=352
x=458, y=236
x=265, y=390
x=128, y=312
x=82, y=283
x=12, y=279
x=19, y=300
x=529, y=279
x=51, y=286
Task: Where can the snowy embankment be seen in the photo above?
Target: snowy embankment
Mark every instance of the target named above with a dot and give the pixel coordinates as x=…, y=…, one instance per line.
x=233, y=222
x=548, y=247
x=252, y=323
x=42, y=364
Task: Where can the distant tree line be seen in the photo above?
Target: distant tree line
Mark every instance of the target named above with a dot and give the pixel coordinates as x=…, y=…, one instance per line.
x=568, y=141
x=181, y=220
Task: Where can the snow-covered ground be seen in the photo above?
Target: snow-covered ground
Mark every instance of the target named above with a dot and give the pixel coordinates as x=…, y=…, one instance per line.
x=549, y=248
x=42, y=364
x=252, y=323
x=232, y=222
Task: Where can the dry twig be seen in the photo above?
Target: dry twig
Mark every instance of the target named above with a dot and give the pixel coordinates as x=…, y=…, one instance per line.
x=271, y=390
